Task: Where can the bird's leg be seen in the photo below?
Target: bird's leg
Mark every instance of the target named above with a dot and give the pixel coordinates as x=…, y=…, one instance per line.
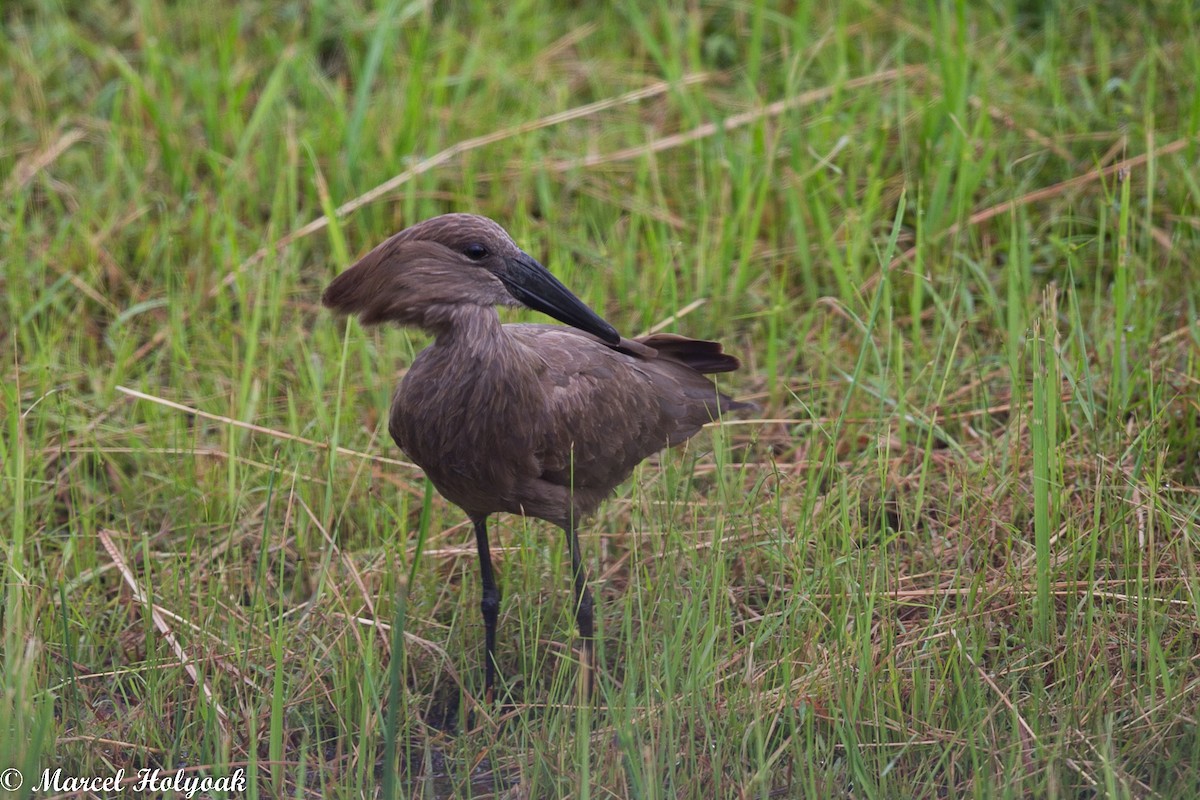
x=583, y=610
x=489, y=604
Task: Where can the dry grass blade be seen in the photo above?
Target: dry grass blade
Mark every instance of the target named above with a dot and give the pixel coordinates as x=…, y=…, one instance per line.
x=670, y=320
x=161, y=624
x=277, y=434
x=1048, y=192
x=737, y=121
x=30, y=166
x=1029, y=739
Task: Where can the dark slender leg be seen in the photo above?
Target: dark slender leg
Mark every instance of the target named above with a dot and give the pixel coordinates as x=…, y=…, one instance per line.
x=583, y=610
x=489, y=604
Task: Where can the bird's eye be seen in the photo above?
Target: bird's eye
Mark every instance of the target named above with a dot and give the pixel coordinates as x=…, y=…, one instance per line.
x=475, y=252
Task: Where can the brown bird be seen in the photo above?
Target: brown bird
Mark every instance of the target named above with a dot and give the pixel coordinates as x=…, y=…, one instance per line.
x=538, y=420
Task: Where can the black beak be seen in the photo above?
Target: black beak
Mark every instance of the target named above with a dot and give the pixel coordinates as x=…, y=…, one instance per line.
x=534, y=286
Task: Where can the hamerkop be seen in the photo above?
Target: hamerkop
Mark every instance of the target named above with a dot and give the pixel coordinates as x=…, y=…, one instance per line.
x=539, y=420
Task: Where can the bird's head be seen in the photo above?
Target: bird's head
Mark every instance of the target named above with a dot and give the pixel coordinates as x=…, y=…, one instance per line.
x=422, y=274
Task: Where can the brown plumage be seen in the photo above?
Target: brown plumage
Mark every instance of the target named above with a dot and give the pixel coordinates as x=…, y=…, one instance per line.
x=539, y=420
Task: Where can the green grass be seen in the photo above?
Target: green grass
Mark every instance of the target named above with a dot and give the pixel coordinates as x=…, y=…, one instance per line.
x=955, y=555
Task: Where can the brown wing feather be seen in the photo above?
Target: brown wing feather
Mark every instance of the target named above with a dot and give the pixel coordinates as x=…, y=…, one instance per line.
x=605, y=409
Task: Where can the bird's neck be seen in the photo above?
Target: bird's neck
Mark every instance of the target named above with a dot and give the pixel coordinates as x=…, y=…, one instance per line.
x=469, y=330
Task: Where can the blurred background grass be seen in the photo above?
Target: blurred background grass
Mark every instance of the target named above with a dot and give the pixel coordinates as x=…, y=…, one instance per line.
x=955, y=245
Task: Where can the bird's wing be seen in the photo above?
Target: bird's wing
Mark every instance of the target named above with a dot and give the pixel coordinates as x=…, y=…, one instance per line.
x=604, y=409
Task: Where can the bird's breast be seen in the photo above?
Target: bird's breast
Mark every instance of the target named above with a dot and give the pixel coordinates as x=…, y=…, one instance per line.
x=469, y=424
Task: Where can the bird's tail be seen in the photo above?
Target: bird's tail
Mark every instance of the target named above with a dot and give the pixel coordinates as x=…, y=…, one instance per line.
x=729, y=405
x=707, y=358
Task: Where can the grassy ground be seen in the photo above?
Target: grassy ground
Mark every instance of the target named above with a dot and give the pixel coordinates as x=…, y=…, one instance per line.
x=954, y=556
